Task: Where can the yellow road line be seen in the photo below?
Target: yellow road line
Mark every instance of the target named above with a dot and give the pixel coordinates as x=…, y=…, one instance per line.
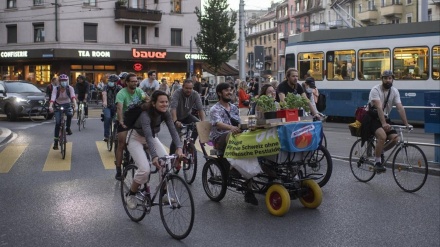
x=107, y=158
x=9, y=156
x=55, y=162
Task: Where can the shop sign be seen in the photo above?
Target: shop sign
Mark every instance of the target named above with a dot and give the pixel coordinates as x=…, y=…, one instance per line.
x=14, y=54
x=93, y=53
x=137, y=67
x=161, y=54
x=196, y=56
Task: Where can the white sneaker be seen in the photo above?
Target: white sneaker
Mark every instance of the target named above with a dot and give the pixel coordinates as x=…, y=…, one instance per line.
x=165, y=199
x=131, y=201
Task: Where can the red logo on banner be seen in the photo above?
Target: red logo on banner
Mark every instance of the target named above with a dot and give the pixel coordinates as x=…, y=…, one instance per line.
x=137, y=67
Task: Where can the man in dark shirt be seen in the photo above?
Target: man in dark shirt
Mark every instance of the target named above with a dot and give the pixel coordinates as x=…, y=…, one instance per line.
x=291, y=85
x=197, y=84
x=82, y=90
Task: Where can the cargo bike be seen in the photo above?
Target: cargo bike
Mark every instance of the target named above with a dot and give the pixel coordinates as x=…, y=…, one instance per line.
x=286, y=176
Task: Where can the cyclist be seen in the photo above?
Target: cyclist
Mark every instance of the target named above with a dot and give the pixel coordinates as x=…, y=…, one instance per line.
x=145, y=132
x=130, y=95
x=53, y=83
x=150, y=84
x=62, y=95
x=82, y=90
x=382, y=98
x=109, y=92
x=182, y=102
x=121, y=81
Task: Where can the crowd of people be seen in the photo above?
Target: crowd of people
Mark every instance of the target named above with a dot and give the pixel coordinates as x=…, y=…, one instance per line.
x=175, y=106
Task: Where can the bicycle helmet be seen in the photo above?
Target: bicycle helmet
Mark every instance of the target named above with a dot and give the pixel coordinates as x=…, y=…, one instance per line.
x=113, y=78
x=387, y=73
x=123, y=75
x=63, y=77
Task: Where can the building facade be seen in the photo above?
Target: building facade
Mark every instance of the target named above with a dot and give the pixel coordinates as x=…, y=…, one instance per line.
x=45, y=38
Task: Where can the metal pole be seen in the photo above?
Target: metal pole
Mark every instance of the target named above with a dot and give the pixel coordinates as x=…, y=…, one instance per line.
x=241, y=61
x=56, y=20
x=191, y=62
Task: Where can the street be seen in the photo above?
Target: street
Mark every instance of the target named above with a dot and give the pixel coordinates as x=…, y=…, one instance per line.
x=80, y=204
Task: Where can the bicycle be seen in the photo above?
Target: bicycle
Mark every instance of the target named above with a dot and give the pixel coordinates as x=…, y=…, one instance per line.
x=190, y=152
x=409, y=164
x=40, y=112
x=81, y=116
x=172, y=213
x=205, y=104
x=112, y=139
x=62, y=137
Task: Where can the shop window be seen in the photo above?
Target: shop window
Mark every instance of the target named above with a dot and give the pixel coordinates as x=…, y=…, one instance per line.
x=38, y=32
x=11, y=4
x=436, y=62
x=89, y=2
x=39, y=73
x=12, y=33
x=372, y=62
x=75, y=67
x=90, y=32
x=177, y=7
x=176, y=37
x=38, y=2
x=87, y=67
x=341, y=65
x=411, y=63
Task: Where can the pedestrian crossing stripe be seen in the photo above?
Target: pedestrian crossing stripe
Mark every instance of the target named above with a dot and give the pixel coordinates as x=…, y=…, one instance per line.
x=55, y=162
x=107, y=157
x=9, y=156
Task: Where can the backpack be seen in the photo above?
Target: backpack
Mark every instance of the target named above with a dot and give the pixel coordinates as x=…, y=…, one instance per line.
x=131, y=115
x=321, y=105
x=58, y=92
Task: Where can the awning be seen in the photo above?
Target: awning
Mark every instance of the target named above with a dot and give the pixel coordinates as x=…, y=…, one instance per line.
x=224, y=70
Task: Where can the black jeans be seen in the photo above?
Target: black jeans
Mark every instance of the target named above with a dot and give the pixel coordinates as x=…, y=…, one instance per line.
x=189, y=119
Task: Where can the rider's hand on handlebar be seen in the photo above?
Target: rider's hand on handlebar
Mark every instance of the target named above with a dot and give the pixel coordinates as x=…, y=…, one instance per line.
x=51, y=109
x=180, y=153
x=178, y=124
x=409, y=127
x=156, y=162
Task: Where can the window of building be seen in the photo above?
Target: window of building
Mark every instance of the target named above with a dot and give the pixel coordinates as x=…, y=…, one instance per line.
x=297, y=6
x=11, y=4
x=38, y=2
x=408, y=2
x=90, y=32
x=135, y=35
x=88, y=2
x=313, y=62
x=409, y=18
x=429, y=14
x=143, y=35
x=38, y=32
x=411, y=63
x=268, y=37
x=395, y=21
x=264, y=39
x=261, y=40
x=176, y=37
x=436, y=62
x=360, y=8
x=274, y=36
x=156, y=32
x=274, y=51
x=340, y=65
x=133, y=4
x=12, y=33
x=177, y=7
x=372, y=62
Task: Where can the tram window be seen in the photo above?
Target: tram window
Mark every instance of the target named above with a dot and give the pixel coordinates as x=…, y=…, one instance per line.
x=312, y=63
x=411, y=63
x=341, y=65
x=290, y=61
x=372, y=62
x=436, y=62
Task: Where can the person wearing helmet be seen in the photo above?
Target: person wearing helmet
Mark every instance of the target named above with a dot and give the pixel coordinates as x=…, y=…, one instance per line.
x=380, y=103
x=62, y=95
x=121, y=81
x=109, y=103
x=82, y=90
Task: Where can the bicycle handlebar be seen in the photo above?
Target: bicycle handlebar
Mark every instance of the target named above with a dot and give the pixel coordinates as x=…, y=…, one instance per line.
x=409, y=128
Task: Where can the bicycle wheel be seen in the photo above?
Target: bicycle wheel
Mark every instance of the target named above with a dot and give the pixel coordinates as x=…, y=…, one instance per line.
x=214, y=180
x=139, y=212
x=321, y=164
x=362, y=160
x=190, y=167
x=410, y=168
x=79, y=119
x=62, y=140
x=178, y=214
x=38, y=114
x=110, y=139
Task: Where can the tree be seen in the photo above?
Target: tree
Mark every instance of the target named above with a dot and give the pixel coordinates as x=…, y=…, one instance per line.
x=217, y=33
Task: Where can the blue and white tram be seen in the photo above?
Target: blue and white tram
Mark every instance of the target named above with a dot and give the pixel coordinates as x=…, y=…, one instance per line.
x=347, y=63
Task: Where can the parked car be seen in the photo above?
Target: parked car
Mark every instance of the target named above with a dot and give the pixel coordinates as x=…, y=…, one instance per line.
x=18, y=97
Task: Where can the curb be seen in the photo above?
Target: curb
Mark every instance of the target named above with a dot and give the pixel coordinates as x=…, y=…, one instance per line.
x=5, y=135
x=431, y=169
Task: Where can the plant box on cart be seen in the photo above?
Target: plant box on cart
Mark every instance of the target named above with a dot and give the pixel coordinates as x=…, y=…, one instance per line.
x=290, y=115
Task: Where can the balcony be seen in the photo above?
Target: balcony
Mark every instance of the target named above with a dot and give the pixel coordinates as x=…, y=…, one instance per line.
x=317, y=27
x=268, y=58
x=283, y=35
x=391, y=10
x=134, y=15
x=368, y=16
x=435, y=2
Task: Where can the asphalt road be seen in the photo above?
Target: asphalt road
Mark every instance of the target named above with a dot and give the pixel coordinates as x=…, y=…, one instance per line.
x=81, y=206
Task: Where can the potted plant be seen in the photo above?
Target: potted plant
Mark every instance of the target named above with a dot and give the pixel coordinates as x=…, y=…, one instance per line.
x=266, y=105
x=293, y=107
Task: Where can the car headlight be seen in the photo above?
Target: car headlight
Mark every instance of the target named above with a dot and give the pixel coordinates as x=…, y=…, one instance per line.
x=20, y=100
